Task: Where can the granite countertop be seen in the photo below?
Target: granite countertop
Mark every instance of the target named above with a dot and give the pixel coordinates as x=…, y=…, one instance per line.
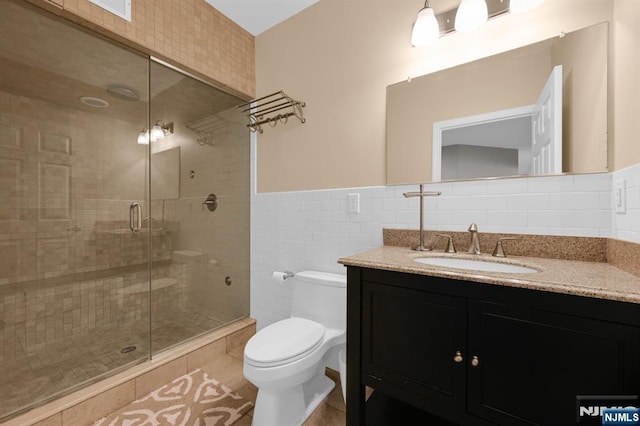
x=590, y=279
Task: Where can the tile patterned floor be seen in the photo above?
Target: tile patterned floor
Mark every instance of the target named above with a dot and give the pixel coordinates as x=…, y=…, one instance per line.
x=57, y=367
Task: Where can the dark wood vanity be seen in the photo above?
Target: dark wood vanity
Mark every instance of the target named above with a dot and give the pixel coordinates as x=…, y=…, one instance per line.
x=442, y=350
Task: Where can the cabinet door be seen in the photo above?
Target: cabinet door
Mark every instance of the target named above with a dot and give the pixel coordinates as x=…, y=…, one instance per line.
x=531, y=364
x=409, y=342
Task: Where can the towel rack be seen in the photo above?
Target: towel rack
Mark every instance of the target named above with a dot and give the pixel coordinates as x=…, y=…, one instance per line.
x=266, y=110
x=213, y=127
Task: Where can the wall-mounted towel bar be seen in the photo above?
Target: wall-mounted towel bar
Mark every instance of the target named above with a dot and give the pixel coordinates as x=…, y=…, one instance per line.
x=265, y=110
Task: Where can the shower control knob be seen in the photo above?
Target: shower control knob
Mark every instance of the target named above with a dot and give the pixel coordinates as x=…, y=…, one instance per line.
x=211, y=202
x=457, y=357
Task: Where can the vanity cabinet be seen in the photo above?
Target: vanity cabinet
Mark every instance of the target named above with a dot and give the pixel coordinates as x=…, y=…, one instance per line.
x=409, y=339
x=482, y=354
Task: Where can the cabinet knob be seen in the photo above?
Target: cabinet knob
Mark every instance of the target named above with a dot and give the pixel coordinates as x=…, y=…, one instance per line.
x=457, y=357
x=475, y=361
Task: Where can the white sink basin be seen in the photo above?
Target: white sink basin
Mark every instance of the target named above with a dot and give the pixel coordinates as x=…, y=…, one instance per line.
x=475, y=265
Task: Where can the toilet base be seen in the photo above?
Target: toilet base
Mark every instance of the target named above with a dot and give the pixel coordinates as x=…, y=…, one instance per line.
x=292, y=406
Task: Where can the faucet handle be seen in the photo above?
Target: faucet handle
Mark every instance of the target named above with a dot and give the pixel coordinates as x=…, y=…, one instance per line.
x=498, y=251
x=450, y=247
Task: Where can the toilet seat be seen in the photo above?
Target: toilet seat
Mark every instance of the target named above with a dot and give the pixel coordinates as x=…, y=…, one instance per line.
x=284, y=342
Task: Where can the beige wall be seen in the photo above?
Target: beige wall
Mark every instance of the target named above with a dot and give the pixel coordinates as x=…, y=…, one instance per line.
x=584, y=92
x=339, y=56
x=188, y=33
x=626, y=96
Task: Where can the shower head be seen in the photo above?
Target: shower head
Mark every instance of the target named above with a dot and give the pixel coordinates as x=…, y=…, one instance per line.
x=123, y=93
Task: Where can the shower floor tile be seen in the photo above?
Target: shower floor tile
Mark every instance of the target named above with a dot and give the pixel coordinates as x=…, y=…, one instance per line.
x=57, y=367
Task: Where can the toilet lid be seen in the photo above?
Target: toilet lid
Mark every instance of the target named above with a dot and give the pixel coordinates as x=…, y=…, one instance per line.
x=283, y=341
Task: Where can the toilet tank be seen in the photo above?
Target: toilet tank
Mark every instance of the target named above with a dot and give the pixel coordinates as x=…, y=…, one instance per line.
x=320, y=297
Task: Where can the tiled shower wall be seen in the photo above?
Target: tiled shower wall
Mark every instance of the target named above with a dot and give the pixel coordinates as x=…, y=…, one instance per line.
x=67, y=176
x=65, y=179
x=312, y=229
x=214, y=245
x=189, y=32
x=39, y=315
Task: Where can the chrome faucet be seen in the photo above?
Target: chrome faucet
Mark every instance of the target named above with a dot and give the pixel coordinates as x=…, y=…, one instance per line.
x=450, y=247
x=422, y=194
x=499, y=251
x=474, y=248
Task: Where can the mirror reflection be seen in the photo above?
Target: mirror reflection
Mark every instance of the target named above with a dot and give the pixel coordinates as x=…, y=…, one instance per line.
x=497, y=116
x=165, y=169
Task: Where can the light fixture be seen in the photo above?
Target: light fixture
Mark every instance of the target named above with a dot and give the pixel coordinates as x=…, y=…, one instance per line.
x=143, y=137
x=471, y=15
x=519, y=6
x=94, y=102
x=468, y=16
x=425, y=29
x=158, y=132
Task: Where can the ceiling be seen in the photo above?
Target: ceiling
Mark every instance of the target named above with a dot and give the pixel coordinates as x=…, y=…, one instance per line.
x=257, y=16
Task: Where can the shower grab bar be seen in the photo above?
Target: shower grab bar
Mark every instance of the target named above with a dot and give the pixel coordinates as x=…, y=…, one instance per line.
x=135, y=220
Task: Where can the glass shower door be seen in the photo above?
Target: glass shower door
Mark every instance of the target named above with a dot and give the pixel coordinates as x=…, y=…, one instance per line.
x=199, y=208
x=74, y=302
x=106, y=246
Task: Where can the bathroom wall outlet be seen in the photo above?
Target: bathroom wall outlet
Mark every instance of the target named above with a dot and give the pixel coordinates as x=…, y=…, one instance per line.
x=353, y=203
x=620, y=196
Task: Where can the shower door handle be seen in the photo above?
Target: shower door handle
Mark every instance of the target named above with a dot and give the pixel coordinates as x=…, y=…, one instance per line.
x=135, y=217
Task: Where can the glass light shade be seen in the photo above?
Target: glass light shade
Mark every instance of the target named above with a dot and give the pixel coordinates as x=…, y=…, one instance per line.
x=519, y=6
x=156, y=133
x=471, y=15
x=143, y=138
x=425, y=30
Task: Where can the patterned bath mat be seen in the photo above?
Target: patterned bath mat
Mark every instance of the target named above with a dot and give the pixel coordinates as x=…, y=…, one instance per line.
x=194, y=399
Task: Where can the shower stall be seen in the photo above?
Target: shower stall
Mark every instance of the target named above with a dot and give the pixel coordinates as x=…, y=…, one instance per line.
x=124, y=212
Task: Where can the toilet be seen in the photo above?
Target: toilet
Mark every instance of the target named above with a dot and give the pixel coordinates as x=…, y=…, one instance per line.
x=286, y=360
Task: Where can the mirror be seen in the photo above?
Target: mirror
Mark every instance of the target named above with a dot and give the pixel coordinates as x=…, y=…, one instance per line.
x=443, y=111
x=165, y=174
